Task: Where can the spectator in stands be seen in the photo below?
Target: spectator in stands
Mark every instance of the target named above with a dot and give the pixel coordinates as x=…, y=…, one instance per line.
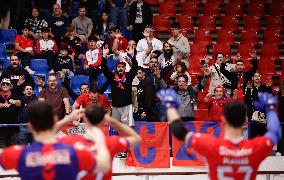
x=121, y=88
x=147, y=45
x=9, y=110
x=217, y=78
x=167, y=56
x=24, y=48
x=187, y=95
x=5, y=14
x=46, y=48
x=73, y=42
x=92, y=9
x=180, y=69
x=179, y=42
x=44, y=7
x=55, y=96
x=140, y=15
x=83, y=24
x=156, y=75
x=93, y=59
x=36, y=23
x=118, y=42
x=145, y=96
x=19, y=77
x=125, y=56
x=28, y=96
x=58, y=23
x=118, y=14
x=92, y=97
x=64, y=65
x=257, y=118
x=240, y=78
x=84, y=88
x=104, y=25
x=216, y=103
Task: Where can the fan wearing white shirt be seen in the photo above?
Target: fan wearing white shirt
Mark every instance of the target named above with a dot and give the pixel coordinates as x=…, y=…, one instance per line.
x=93, y=59
x=147, y=45
x=46, y=48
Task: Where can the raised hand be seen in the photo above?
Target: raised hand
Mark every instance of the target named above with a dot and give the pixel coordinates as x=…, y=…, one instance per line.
x=168, y=98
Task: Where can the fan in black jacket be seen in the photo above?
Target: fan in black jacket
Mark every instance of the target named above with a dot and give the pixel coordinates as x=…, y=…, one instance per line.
x=239, y=78
x=121, y=88
x=140, y=15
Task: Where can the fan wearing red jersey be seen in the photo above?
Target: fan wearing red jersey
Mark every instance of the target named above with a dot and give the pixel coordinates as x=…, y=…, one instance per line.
x=95, y=116
x=231, y=157
x=46, y=158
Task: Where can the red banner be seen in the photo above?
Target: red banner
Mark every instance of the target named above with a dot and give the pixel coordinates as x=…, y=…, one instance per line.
x=153, y=150
x=186, y=156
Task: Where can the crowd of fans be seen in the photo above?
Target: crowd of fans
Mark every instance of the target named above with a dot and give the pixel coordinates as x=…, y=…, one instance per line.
x=144, y=65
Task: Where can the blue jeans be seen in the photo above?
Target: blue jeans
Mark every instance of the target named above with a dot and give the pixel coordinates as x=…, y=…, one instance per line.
x=25, y=137
x=119, y=14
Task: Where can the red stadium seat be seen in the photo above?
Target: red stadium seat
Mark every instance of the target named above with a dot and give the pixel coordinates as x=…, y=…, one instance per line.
x=201, y=104
x=272, y=37
x=195, y=69
x=270, y=50
x=215, y=1
x=222, y=48
x=277, y=8
x=229, y=23
x=252, y=22
x=245, y=50
x=189, y=8
x=194, y=80
x=202, y=36
x=173, y=1
x=256, y=9
x=167, y=9
x=266, y=78
x=211, y=9
x=249, y=37
x=225, y=36
x=185, y=22
x=198, y=50
x=266, y=66
x=274, y=22
x=201, y=114
x=161, y=23
x=152, y=2
x=234, y=9
x=206, y=22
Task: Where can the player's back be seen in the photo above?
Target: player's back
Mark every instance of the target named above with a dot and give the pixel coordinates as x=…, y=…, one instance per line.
x=115, y=144
x=53, y=161
x=234, y=160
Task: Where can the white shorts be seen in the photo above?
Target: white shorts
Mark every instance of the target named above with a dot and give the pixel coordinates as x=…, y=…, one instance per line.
x=124, y=114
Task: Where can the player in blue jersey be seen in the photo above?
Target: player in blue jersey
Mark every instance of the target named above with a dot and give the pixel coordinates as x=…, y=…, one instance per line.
x=48, y=159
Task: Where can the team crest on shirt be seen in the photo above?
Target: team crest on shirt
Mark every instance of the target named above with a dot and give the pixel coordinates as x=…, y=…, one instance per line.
x=92, y=56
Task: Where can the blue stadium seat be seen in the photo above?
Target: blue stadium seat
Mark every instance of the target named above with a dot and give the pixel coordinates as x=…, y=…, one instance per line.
x=111, y=63
x=3, y=55
x=101, y=80
x=7, y=36
x=39, y=66
x=74, y=9
x=127, y=34
x=76, y=81
x=6, y=64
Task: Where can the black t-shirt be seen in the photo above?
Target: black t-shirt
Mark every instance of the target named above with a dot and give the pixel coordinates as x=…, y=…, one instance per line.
x=10, y=114
x=63, y=63
x=58, y=26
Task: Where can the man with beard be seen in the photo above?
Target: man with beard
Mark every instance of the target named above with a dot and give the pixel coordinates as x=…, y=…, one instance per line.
x=147, y=45
x=145, y=96
x=239, y=78
x=19, y=77
x=83, y=24
x=257, y=118
x=121, y=88
x=55, y=96
x=179, y=42
x=186, y=94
